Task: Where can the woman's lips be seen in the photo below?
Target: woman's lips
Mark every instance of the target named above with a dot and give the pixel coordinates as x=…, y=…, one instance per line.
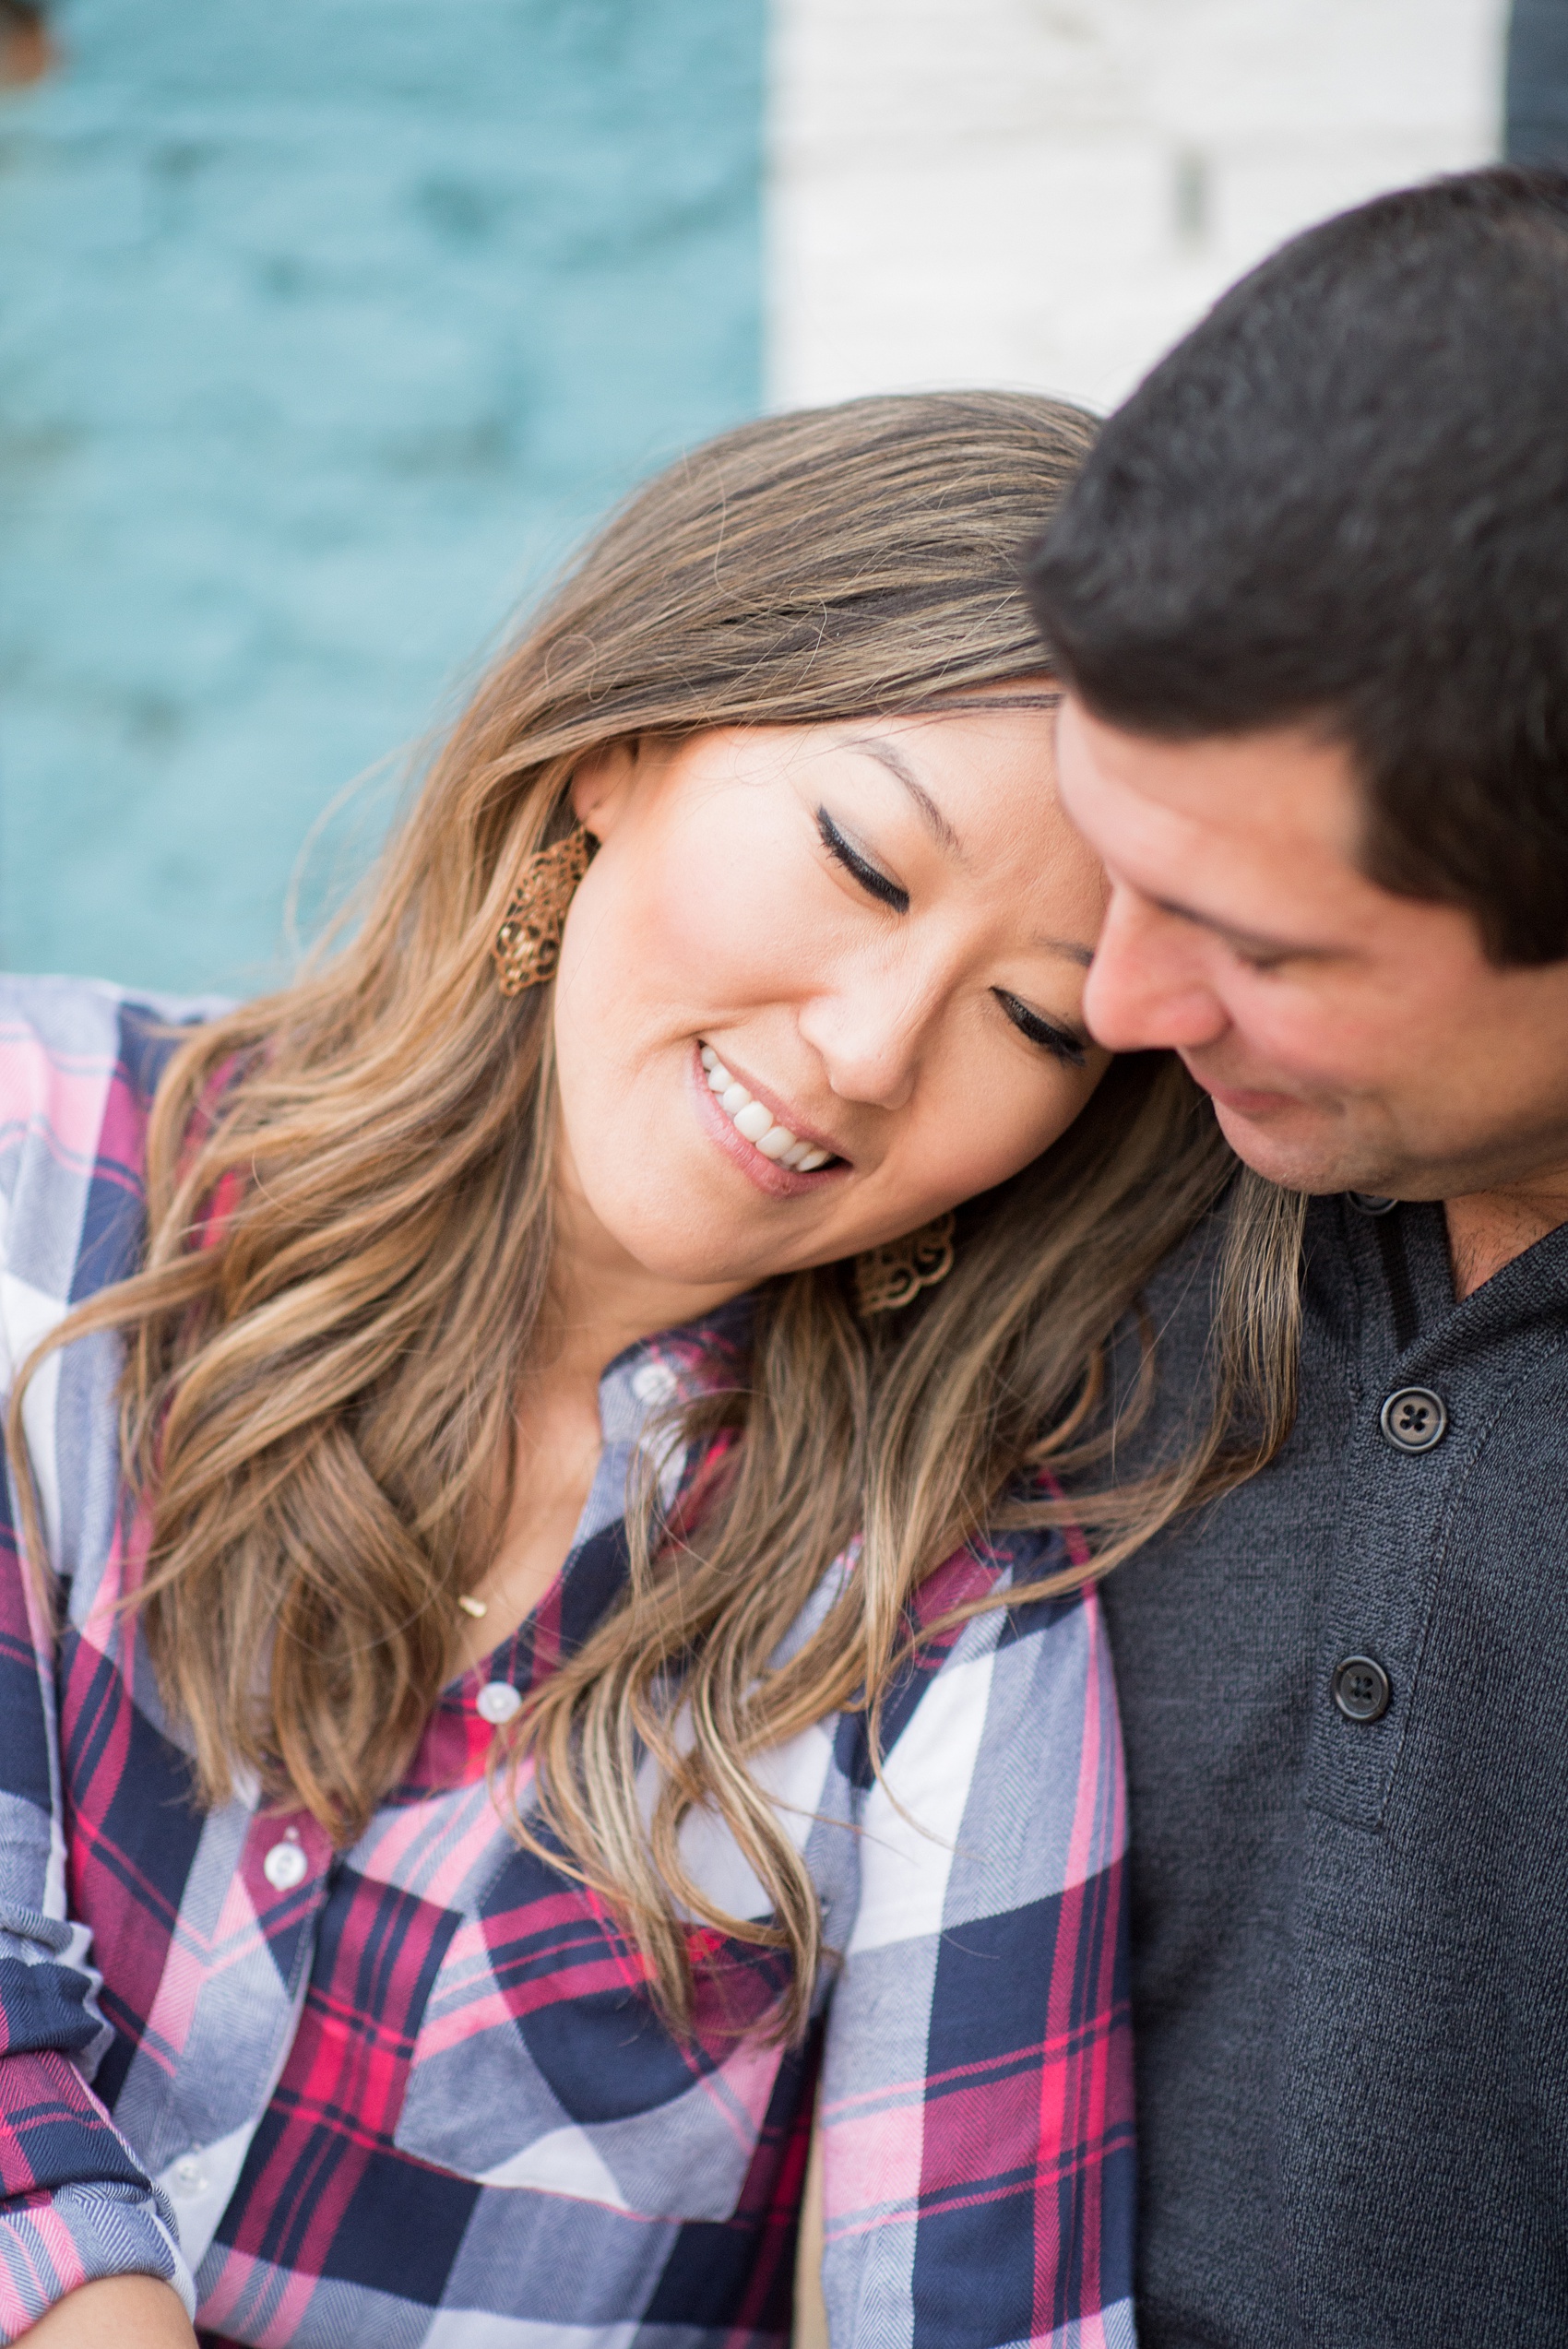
x=777, y=1132
x=767, y=1172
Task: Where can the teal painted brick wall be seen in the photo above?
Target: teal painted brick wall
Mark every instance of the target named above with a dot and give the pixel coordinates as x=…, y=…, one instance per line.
x=326, y=325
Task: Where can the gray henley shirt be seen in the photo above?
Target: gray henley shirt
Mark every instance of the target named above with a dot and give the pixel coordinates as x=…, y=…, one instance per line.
x=1351, y=1928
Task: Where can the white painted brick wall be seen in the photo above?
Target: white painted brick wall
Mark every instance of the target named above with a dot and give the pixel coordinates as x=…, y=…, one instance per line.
x=1048, y=192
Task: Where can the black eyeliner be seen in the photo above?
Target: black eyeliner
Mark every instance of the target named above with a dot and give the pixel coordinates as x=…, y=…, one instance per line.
x=1059, y=1040
x=875, y=885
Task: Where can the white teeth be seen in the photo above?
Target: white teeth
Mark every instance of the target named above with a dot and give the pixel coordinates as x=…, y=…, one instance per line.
x=757, y=1123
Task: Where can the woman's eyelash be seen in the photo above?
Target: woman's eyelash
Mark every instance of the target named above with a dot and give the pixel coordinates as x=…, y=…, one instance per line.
x=1058, y=1040
x=875, y=885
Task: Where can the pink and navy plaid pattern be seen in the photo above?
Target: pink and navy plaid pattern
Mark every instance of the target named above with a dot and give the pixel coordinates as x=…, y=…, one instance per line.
x=416, y=2094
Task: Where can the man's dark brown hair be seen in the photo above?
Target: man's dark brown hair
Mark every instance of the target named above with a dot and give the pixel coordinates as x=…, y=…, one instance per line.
x=1342, y=502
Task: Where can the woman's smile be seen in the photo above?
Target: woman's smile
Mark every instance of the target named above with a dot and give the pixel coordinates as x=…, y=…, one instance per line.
x=780, y=1150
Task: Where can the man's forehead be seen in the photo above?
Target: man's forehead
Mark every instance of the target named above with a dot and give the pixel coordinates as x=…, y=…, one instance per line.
x=1268, y=797
x=1252, y=836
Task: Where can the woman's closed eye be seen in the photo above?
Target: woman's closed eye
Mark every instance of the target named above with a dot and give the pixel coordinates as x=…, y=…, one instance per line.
x=876, y=883
x=1059, y=1041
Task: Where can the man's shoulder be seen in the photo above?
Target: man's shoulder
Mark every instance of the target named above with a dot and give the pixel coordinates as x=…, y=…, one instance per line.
x=1178, y=1308
x=1178, y=1304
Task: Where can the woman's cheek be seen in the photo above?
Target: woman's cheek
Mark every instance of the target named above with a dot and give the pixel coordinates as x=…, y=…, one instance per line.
x=734, y=915
x=988, y=1132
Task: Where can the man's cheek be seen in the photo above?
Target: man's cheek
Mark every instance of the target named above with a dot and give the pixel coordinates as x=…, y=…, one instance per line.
x=1295, y=1030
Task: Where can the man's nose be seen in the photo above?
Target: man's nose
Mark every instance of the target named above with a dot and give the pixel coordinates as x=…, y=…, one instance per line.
x=1146, y=990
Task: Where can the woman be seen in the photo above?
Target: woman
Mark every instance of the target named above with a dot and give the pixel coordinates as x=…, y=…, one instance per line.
x=471, y=1931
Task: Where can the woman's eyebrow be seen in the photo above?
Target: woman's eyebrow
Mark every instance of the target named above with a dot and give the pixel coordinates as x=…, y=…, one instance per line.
x=889, y=755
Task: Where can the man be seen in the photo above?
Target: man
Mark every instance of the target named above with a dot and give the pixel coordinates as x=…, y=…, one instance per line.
x=1311, y=601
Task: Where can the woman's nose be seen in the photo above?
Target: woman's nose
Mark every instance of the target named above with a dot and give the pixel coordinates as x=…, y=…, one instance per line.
x=1146, y=990
x=869, y=1039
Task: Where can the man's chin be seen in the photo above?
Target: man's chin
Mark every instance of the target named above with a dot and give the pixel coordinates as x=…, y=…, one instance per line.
x=1297, y=1147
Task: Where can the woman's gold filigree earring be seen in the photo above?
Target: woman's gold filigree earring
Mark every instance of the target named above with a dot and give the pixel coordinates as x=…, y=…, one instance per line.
x=893, y=1275
x=528, y=944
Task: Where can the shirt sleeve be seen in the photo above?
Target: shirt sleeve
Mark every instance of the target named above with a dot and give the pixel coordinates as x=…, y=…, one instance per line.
x=76, y=2204
x=977, y=2095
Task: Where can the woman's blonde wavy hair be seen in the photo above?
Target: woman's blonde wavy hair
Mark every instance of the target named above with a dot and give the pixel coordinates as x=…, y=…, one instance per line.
x=319, y=1383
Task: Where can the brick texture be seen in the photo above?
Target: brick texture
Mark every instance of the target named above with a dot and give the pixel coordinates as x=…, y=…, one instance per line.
x=326, y=325
x=1047, y=192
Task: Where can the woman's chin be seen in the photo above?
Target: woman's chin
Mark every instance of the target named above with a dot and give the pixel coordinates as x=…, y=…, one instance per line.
x=703, y=1265
x=712, y=1250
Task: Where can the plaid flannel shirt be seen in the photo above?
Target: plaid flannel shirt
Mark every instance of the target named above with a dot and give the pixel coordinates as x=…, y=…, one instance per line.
x=416, y=2093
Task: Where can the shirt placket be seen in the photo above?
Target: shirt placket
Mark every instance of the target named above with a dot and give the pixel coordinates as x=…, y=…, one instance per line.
x=1433, y=1379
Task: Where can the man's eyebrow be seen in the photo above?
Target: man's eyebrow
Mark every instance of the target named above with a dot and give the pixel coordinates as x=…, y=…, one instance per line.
x=1246, y=942
x=889, y=755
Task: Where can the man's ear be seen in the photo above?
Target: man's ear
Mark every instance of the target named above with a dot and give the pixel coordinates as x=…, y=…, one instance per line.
x=603, y=785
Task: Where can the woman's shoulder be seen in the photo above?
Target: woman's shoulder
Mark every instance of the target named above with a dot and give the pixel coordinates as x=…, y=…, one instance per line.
x=55, y=1005
x=79, y=1062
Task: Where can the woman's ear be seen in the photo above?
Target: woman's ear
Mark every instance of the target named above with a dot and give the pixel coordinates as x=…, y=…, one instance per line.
x=602, y=785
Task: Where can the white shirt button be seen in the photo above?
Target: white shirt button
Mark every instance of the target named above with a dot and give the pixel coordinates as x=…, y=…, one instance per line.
x=284, y=1866
x=189, y=2175
x=498, y=1701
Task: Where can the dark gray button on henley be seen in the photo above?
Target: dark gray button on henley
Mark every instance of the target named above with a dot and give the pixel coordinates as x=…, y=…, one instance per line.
x=1350, y=1935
